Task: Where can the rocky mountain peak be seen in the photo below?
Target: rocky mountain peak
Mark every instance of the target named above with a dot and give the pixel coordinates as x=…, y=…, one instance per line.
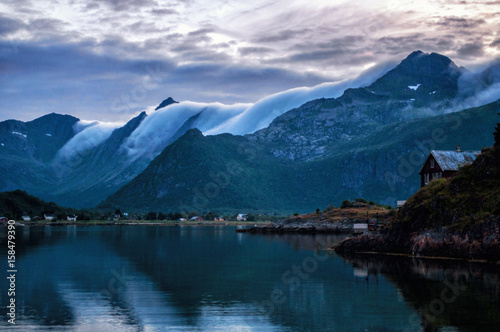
x=166, y=102
x=421, y=75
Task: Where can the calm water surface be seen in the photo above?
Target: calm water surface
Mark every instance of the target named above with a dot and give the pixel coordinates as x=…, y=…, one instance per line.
x=196, y=278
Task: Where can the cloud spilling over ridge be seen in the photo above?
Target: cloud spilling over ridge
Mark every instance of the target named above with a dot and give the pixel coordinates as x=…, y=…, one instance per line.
x=263, y=112
x=158, y=128
x=89, y=134
x=478, y=88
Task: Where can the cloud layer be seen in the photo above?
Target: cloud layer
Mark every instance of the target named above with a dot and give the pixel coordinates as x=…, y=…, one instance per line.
x=108, y=59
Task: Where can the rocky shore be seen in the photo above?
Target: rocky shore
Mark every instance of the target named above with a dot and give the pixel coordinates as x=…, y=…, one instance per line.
x=479, y=242
x=300, y=226
x=330, y=221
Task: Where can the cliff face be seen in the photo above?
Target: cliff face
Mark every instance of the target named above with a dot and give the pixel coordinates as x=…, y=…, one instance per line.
x=449, y=218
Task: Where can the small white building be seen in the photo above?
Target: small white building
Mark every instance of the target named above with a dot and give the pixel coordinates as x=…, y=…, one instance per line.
x=242, y=217
x=26, y=218
x=49, y=217
x=71, y=218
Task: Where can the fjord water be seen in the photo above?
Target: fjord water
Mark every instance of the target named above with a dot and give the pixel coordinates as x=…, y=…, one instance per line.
x=201, y=278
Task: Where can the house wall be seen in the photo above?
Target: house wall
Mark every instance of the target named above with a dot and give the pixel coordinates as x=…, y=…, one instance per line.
x=428, y=170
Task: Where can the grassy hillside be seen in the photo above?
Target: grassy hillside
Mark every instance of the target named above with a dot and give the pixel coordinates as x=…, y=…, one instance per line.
x=458, y=217
x=469, y=199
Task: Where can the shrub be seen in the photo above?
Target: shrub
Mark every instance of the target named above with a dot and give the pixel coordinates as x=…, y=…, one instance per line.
x=361, y=200
x=346, y=204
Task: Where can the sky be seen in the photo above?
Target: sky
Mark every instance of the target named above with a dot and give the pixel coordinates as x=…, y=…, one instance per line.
x=108, y=60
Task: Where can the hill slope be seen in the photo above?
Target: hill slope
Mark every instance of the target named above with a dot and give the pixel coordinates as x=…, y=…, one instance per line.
x=448, y=218
x=15, y=204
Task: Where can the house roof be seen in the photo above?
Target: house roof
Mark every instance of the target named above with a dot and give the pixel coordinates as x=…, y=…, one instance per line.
x=452, y=160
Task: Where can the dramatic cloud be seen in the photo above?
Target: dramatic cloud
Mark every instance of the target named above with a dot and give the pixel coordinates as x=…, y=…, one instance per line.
x=109, y=59
x=156, y=131
x=8, y=25
x=89, y=135
x=471, y=50
x=159, y=127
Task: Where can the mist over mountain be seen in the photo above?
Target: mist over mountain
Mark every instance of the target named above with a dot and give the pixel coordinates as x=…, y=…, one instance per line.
x=79, y=163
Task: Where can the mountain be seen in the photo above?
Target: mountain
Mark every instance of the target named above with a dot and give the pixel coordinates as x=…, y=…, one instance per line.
x=26, y=147
x=80, y=163
x=235, y=173
x=39, y=139
x=425, y=77
x=166, y=102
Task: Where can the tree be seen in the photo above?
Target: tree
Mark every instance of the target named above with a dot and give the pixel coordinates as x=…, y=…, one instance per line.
x=346, y=204
x=251, y=217
x=117, y=211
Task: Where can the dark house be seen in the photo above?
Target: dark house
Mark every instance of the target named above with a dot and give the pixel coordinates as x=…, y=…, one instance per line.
x=445, y=164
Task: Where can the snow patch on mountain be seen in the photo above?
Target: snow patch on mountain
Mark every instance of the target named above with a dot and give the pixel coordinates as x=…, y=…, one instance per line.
x=20, y=134
x=414, y=87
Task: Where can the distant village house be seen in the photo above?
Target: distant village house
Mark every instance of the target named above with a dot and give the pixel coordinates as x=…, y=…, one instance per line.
x=242, y=217
x=445, y=164
x=26, y=218
x=49, y=217
x=71, y=218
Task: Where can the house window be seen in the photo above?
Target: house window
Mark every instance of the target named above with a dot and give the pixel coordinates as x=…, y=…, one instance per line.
x=436, y=176
x=432, y=163
x=426, y=178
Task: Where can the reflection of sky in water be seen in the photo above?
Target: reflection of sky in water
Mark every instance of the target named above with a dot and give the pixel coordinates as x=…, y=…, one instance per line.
x=201, y=279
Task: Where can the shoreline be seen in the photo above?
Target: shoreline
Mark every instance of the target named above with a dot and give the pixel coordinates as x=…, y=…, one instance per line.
x=141, y=223
x=377, y=253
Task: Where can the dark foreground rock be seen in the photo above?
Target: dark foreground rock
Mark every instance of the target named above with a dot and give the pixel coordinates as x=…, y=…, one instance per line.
x=481, y=242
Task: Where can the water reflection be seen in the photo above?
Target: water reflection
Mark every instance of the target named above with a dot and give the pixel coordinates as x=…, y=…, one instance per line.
x=445, y=293
x=137, y=278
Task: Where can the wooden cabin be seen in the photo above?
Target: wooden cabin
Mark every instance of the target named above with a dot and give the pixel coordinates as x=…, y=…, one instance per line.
x=445, y=164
